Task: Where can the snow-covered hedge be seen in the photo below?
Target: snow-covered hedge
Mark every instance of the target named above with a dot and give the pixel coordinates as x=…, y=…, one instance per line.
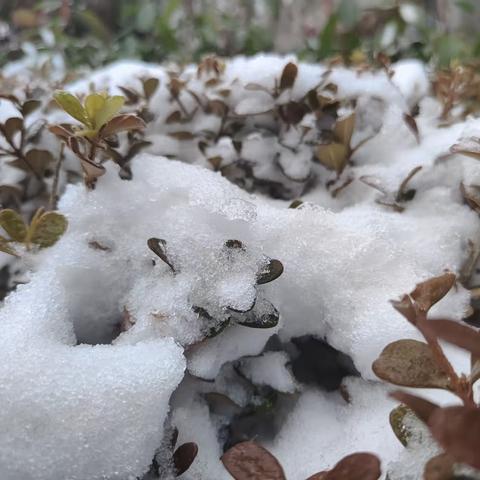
x=108, y=346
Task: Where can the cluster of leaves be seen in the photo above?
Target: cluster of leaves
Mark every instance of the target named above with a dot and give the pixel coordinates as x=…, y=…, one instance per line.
x=295, y=131
x=412, y=363
x=260, y=314
x=100, y=124
x=457, y=85
x=44, y=230
x=250, y=461
x=19, y=150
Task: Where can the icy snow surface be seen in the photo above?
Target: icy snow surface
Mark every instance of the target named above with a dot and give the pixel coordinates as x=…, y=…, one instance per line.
x=93, y=347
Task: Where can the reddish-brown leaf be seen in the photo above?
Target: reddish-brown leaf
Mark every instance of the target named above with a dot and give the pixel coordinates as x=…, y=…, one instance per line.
x=457, y=430
x=422, y=408
x=406, y=308
x=410, y=363
x=122, y=123
x=250, y=461
x=456, y=333
x=358, y=466
x=427, y=293
x=184, y=456
x=288, y=77
x=439, y=468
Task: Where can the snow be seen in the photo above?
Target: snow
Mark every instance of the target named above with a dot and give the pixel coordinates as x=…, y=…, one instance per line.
x=94, y=348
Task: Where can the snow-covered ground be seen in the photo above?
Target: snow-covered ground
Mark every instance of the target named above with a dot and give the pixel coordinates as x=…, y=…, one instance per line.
x=82, y=398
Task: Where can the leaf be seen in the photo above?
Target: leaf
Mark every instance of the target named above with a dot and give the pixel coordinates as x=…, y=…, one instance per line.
x=72, y=106
x=343, y=129
x=403, y=193
x=150, y=85
x=159, y=247
x=39, y=159
x=12, y=126
x=30, y=106
x=122, y=123
x=13, y=224
x=333, y=156
x=94, y=103
x=270, y=271
x=471, y=194
x=47, y=229
x=412, y=126
x=111, y=107
x=469, y=150
x=439, y=467
x=396, y=418
x=250, y=461
x=91, y=170
x=6, y=248
x=220, y=404
x=262, y=315
x=358, y=466
x=60, y=132
x=183, y=135
x=422, y=408
x=456, y=333
x=428, y=293
x=406, y=308
x=410, y=363
x=457, y=430
x=132, y=95
x=184, y=456
x=475, y=369
x=289, y=74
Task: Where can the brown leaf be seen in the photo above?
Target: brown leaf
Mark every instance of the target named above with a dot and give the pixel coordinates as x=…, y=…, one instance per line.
x=318, y=476
x=11, y=127
x=184, y=456
x=412, y=126
x=333, y=156
x=343, y=129
x=217, y=107
x=182, y=135
x=474, y=369
x=91, y=170
x=174, y=117
x=122, y=123
x=471, y=150
x=132, y=95
x=439, y=467
x=39, y=159
x=406, y=308
x=159, y=247
x=410, y=363
x=471, y=194
x=457, y=430
x=427, y=293
x=456, y=333
x=30, y=106
x=402, y=194
x=250, y=461
x=60, y=131
x=358, y=466
x=289, y=74
x=293, y=112
x=422, y=408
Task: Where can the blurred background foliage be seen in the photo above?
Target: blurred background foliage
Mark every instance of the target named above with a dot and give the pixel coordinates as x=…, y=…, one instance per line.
x=94, y=32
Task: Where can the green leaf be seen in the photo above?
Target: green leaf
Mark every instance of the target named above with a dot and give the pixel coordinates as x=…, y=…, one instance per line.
x=397, y=416
x=94, y=103
x=410, y=363
x=72, y=106
x=111, y=107
x=48, y=228
x=150, y=85
x=13, y=224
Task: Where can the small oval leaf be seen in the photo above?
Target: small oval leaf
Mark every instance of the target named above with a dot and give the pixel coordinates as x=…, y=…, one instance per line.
x=428, y=293
x=270, y=271
x=358, y=466
x=48, y=229
x=250, y=461
x=159, y=247
x=13, y=224
x=410, y=363
x=184, y=456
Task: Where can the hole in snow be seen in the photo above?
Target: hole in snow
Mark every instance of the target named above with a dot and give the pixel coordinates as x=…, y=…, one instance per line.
x=93, y=304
